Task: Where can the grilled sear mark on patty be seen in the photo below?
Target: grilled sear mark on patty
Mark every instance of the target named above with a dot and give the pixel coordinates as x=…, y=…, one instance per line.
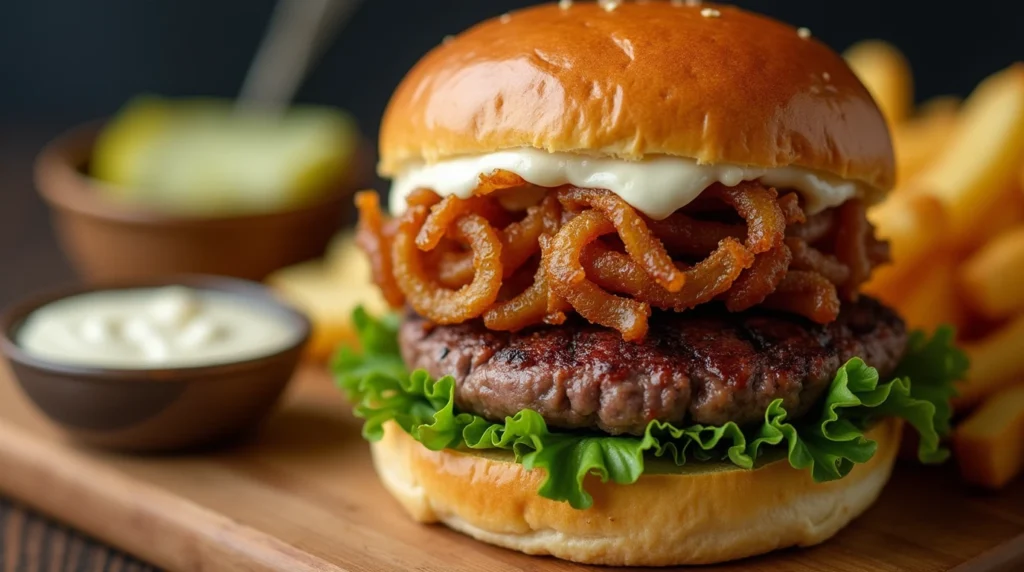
x=704, y=366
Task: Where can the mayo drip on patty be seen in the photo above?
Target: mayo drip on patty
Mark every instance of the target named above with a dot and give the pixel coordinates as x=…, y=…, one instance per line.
x=656, y=187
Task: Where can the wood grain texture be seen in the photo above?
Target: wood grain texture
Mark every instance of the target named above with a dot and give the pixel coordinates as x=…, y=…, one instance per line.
x=30, y=542
x=301, y=495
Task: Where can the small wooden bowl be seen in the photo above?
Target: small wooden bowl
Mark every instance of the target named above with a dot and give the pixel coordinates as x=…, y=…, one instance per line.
x=150, y=410
x=109, y=241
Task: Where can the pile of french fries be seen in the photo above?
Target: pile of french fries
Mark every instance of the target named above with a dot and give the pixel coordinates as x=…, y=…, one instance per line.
x=955, y=222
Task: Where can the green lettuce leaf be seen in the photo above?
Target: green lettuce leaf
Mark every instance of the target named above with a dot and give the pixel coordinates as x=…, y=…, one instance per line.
x=829, y=445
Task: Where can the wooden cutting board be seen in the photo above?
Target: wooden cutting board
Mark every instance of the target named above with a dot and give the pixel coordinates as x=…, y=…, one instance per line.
x=301, y=495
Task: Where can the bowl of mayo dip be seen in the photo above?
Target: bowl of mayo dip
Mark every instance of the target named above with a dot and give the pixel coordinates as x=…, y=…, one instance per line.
x=155, y=366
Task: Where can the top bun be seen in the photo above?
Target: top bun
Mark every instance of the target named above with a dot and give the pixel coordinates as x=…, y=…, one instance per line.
x=709, y=82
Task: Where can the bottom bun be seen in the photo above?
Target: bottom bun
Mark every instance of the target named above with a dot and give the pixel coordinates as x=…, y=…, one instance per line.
x=707, y=514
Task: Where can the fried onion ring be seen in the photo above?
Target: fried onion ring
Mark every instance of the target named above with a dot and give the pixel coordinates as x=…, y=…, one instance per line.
x=455, y=268
x=519, y=241
x=816, y=228
x=766, y=223
x=709, y=278
x=520, y=280
x=528, y=308
x=588, y=251
x=557, y=305
x=851, y=244
x=808, y=294
x=428, y=297
x=563, y=263
x=422, y=197
x=879, y=251
x=567, y=278
x=446, y=212
x=498, y=180
x=374, y=237
x=760, y=280
x=641, y=245
x=806, y=257
x=686, y=236
x=790, y=205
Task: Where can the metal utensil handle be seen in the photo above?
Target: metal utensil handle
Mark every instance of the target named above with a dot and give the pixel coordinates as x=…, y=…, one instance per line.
x=298, y=33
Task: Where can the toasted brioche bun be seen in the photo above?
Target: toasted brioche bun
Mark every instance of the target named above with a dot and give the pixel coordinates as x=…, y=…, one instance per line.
x=637, y=81
x=698, y=517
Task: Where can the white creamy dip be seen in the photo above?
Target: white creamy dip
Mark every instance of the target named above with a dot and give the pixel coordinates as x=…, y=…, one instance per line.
x=149, y=328
x=657, y=186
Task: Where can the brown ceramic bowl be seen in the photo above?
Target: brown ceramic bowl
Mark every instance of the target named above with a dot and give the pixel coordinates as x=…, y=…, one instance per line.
x=149, y=410
x=106, y=240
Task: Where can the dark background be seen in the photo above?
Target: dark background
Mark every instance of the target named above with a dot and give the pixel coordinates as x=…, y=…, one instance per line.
x=64, y=61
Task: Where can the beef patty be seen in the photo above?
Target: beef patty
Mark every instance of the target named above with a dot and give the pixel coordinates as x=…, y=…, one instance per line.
x=703, y=366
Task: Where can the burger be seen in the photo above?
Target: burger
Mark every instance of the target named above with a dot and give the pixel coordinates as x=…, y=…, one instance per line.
x=624, y=245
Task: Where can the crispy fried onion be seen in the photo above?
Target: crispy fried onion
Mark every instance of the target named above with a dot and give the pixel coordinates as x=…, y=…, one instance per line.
x=791, y=209
x=516, y=257
x=815, y=228
x=684, y=235
x=422, y=198
x=531, y=306
x=374, y=238
x=851, y=245
x=425, y=294
x=446, y=212
x=806, y=293
x=806, y=257
x=766, y=223
x=568, y=279
x=766, y=217
x=498, y=180
x=760, y=280
x=641, y=245
x=520, y=240
x=709, y=278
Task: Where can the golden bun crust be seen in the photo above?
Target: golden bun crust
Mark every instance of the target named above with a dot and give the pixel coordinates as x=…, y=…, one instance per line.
x=640, y=80
x=661, y=520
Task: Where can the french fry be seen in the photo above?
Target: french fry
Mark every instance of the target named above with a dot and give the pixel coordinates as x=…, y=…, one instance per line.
x=989, y=445
x=997, y=361
x=982, y=158
x=914, y=224
x=345, y=260
x=327, y=291
x=1005, y=213
x=932, y=299
x=940, y=105
x=917, y=140
x=992, y=280
x=884, y=70
x=955, y=223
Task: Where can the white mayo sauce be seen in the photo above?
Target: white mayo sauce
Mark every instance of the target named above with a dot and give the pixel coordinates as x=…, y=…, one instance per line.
x=657, y=186
x=150, y=328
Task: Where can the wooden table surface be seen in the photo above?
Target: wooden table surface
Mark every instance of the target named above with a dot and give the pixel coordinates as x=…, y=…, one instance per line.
x=30, y=260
